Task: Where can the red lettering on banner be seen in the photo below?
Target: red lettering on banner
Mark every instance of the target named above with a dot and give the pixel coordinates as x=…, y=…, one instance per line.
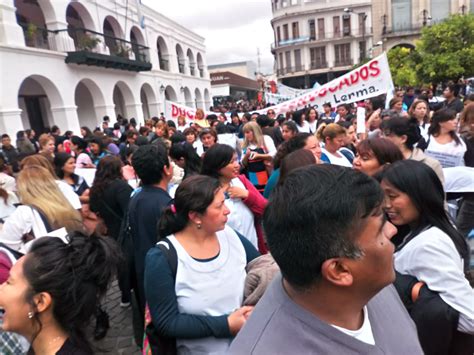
x=333, y=89
x=374, y=68
x=174, y=110
x=343, y=82
x=322, y=92
x=364, y=73
x=312, y=97
x=354, y=77
x=190, y=115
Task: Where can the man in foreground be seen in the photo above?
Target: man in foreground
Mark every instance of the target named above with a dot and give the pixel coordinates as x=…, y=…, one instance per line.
x=327, y=232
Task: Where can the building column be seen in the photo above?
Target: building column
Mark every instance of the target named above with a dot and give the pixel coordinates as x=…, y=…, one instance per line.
x=10, y=32
x=61, y=42
x=10, y=122
x=105, y=110
x=66, y=118
x=135, y=110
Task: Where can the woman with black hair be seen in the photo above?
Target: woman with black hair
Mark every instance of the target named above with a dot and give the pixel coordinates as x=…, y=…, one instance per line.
x=406, y=134
x=109, y=198
x=245, y=203
x=288, y=130
x=299, y=117
x=433, y=252
x=97, y=149
x=444, y=144
x=53, y=291
x=312, y=119
x=79, y=147
x=65, y=165
x=184, y=155
x=198, y=304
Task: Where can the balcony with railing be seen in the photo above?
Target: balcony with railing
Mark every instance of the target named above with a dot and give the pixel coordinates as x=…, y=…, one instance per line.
x=323, y=37
x=38, y=37
x=90, y=47
x=103, y=50
x=319, y=65
x=343, y=62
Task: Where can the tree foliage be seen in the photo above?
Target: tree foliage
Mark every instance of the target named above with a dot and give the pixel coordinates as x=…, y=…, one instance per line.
x=402, y=66
x=445, y=51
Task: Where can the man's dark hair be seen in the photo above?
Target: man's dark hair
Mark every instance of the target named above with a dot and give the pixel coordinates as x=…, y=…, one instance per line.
x=5, y=136
x=263, y=121
x=149, y=162
x=320, y=221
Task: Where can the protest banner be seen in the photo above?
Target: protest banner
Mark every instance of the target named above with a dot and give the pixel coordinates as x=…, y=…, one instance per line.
x=368, y=80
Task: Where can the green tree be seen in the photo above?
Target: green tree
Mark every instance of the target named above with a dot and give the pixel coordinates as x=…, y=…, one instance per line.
x=446, y=50
x=402, y=66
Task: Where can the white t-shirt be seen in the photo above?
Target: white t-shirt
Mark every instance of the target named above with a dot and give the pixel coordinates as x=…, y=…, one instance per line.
x=335, y=160
x=70, y=195
x=449, y=155
x=269, y=146
x=364, y=333
x=304, y=128
x=210, y=288
x=312, y=126
x=241, y=217
x=432, y=258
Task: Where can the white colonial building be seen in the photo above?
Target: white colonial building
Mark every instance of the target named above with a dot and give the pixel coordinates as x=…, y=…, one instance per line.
x=318, y=40
x=69, y=63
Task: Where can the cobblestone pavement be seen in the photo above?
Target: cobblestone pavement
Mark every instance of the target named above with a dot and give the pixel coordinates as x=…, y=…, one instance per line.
x=119, y=339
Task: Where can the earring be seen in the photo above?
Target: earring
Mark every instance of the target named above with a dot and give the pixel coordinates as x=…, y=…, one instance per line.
x=31, y=315
x=199, y=225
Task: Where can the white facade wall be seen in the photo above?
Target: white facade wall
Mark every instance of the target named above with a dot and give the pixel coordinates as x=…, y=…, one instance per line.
x=70, y=106
x=286, y=12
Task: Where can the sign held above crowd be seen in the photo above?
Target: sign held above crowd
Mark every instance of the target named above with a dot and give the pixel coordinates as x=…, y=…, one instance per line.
x=368, y=80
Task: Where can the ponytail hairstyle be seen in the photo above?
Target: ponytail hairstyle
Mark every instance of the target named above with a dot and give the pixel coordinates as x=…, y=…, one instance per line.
x=76, y=275
x=194, y=194
x=330, y=131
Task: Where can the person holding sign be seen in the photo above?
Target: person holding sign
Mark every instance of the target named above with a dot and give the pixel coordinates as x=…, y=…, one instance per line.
x=444, y=144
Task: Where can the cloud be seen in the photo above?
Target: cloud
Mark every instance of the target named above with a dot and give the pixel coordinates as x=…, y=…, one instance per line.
x=233, y=29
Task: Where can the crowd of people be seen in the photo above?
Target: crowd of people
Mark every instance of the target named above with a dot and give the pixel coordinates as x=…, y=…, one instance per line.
x=246, y=233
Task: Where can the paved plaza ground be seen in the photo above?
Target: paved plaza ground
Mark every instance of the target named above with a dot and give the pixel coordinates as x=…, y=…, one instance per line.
x=119, y=339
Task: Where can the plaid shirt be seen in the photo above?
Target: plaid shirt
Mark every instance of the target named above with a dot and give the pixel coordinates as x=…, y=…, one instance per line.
x=12, y=344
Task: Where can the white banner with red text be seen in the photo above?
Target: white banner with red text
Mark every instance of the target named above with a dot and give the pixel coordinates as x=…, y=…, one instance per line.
x=369, y=80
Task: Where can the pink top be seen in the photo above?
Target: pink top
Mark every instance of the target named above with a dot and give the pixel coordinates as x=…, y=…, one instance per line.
x=83, y=160
x=5, y=266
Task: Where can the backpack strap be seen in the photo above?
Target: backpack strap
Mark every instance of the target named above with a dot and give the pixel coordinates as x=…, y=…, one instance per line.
x=168, y=249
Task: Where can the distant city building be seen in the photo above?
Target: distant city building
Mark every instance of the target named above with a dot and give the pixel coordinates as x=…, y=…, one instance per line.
x=246, y=69
x=227, y=84
x=399, y=22
x=69, y=63
x=317, y=40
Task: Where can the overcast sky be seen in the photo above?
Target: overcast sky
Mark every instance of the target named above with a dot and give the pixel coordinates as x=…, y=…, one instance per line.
x=233, y=29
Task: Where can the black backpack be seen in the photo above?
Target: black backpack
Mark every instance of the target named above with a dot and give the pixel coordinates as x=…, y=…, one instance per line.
x=153, y=343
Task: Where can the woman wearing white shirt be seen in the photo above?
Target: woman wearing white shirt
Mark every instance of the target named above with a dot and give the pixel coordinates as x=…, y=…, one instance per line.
x=444, y=144
x=245, y=203
x=44, y=207
x=300, y=119
x=433, y=252
x=419, y=110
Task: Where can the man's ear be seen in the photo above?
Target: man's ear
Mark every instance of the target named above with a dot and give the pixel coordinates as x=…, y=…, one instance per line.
x=337, y=272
